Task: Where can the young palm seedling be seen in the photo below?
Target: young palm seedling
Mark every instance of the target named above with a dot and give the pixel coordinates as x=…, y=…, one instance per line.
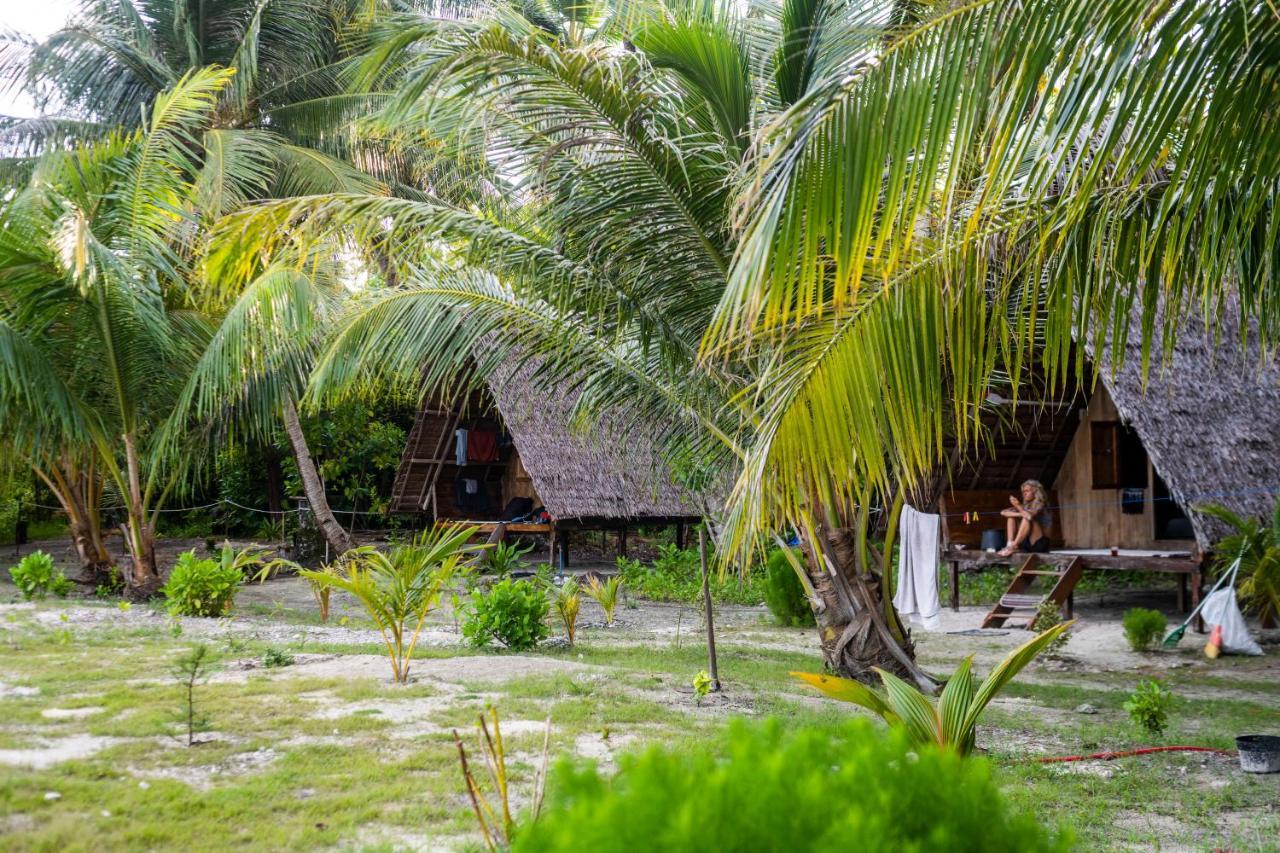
x=567, y=600
x=496, y=821
x=953, y=722
x=605, y=593
x=398, y=589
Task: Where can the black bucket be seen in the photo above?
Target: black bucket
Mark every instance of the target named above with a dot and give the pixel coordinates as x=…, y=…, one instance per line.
x=993, y=540
x=1259, y=753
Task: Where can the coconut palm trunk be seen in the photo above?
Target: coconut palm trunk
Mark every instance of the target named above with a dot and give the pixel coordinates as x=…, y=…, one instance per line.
x=78, y=488
x=142, y=578
x=858, y=629
x=334, y=533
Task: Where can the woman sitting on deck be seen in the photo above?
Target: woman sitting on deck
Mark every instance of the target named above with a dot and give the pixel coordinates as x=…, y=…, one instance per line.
x=1028, y=521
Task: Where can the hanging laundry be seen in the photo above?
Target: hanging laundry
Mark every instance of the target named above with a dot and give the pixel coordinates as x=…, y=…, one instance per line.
x=917, y=595
x=460, y=447
x=482, y=445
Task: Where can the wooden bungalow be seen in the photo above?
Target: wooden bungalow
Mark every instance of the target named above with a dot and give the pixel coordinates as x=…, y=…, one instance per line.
x=609, y=478
x=1126, y=465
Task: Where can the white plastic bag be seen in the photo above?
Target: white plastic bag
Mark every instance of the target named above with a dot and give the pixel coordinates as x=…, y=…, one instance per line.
x=1220, y=608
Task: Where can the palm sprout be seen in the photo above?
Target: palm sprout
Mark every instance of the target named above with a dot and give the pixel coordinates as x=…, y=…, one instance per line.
x=398, y=589
x=605, y=593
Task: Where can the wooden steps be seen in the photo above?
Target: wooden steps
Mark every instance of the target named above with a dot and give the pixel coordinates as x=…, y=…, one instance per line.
x=1021, y=601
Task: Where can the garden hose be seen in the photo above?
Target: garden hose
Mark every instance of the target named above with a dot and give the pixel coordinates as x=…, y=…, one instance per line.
x=1107, y=756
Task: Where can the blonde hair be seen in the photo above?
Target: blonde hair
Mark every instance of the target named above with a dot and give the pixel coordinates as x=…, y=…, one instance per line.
x=1042, y=497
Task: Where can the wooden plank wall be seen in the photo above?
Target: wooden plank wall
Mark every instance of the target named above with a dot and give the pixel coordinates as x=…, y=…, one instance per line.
x=988, y=503
x=1091, y=518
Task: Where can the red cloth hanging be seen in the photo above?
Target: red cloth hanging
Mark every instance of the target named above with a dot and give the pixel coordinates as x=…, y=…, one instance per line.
x=482, y=445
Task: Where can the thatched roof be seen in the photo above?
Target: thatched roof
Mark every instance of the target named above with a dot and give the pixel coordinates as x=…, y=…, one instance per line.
x=1209, y=419
x=611, y=472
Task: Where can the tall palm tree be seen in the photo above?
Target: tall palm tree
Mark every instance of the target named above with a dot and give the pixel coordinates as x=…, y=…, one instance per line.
x=94, y=269
x=936, y=197
x=287, y=102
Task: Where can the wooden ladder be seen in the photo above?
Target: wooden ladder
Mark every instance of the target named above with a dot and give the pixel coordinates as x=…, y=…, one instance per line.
x=1017, y=601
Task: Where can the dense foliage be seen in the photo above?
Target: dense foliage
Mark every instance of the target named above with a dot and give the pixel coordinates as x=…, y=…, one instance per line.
x=783, y=591
x=676, y=575
x=202, y=587
x=1143, y=628
x=771, y=787
x=511, y=612
x=1257, y=545
x=35, y=577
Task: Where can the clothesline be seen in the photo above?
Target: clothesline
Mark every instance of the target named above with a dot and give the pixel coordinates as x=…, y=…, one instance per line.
x=1195, y=497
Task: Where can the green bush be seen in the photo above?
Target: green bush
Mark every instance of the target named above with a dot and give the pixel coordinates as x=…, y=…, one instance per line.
x=764, y=787
x=513, y=612
x=783, y=591
x=36, y=577
x=202, y=587
x=676, y=575
x=1143, y=628
x=1148, y=706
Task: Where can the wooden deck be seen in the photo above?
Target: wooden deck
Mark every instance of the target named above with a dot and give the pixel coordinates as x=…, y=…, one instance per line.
x=1184, y=564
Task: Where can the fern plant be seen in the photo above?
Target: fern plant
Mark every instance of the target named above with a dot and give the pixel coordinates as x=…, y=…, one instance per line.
x=1258, y=546
x=605, y=593
x=952, y=723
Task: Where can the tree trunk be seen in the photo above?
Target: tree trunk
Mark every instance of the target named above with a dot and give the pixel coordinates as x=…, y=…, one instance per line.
x=334, y=534
x=77, y=489
x=859, y=630
x=275, y=481
x=142, y=580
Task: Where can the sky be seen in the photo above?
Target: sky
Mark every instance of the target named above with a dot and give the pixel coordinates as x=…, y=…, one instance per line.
x=36, y=18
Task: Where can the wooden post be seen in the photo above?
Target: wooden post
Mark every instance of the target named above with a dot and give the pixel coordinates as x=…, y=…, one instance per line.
x=622, y=541
x=712, y=670
x=955, y=585
x=564, y=550
x=680, y=536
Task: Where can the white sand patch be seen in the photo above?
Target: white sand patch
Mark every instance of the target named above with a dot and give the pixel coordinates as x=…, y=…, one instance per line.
x=17, y=691
x=70, y=713
x=467, y=669
x=203, y=776
x=55, y=751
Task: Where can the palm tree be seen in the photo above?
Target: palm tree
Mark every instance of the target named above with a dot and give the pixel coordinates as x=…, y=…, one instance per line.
x=286, y=104
x=935, y=200
x=94, y=272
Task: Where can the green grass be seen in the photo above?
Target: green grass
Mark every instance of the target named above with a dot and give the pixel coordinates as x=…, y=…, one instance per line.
x=350, y=767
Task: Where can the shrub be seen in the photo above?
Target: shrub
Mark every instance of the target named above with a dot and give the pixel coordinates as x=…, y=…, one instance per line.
x=202, y=587
x=276, y=658
x=511, y=612
x=771, y=787
x=783, y=591
x=1143, y=628
x=677, y=576
x=36, y=577
x=1148, y=706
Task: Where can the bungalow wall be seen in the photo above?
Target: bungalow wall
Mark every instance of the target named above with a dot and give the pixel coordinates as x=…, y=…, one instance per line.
x=1093, y=517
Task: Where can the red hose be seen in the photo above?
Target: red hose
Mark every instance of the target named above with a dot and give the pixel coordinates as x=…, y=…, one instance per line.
x=1107, y=756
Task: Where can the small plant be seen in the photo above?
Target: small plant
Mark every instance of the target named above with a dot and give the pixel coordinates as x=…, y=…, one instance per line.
x=952, y=723
x=190, y=670
x=506, y=557
x=398, y=589
x=1148, y=706
x=511, y=612
x=112, y=587
x=497, y=826
x=1049, y=615
x=124, y=606
x=778, y=786
x=276, y=658
x=567, y=601
x=1143, y=628
x=701, y=686
x=783, y=591
x=35, y=577
x=199, y=587
x=605, y=593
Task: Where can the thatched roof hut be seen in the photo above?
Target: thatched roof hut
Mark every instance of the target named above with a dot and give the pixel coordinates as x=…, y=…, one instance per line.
x=1127, y=461
x=611, y=474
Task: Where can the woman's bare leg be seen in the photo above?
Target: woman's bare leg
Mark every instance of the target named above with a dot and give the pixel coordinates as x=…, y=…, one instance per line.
x=1015, y=538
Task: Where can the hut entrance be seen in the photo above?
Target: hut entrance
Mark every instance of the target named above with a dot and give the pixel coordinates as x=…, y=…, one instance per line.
x=461, y=464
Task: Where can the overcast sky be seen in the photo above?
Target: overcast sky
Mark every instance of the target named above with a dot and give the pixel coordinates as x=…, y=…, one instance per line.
x=36, y=18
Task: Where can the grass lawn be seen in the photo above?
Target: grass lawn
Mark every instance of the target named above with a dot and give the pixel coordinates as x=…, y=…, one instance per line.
x=327, y=752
